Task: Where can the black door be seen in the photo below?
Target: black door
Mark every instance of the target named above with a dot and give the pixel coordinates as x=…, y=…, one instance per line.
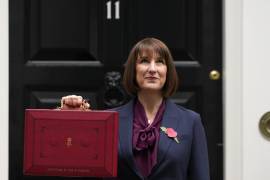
x=61, y=47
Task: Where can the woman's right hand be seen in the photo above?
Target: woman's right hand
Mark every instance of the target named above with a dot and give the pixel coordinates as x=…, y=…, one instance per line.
x=74, y=102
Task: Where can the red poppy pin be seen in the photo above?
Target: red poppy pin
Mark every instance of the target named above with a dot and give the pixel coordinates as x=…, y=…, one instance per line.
x=170, y=133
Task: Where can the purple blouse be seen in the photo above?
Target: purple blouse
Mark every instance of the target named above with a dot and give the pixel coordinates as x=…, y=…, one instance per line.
x=145, y=138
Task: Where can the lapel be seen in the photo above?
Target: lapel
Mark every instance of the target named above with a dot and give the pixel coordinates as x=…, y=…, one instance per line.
x=125, y=135
x=169, y=120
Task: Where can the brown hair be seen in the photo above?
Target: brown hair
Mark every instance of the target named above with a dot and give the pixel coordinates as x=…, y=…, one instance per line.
x=150, y=45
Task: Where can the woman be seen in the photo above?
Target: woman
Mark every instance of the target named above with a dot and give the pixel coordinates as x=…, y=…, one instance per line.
x=157, y=139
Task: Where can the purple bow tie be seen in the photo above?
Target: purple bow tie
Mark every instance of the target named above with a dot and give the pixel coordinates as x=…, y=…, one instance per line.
x=146, y=138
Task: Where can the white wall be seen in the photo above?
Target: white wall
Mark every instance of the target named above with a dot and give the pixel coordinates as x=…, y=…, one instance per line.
x=247, y=88
x=256, y=87
x=4, y=89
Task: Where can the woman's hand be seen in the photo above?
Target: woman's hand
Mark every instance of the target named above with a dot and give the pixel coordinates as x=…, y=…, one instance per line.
x=74, y=102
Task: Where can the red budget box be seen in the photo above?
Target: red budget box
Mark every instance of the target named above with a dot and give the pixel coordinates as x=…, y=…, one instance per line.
x=70, y=143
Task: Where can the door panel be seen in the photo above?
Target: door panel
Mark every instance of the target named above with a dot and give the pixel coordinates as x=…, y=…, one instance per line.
x=175, y=22
x=61, y=47
x=62, y=30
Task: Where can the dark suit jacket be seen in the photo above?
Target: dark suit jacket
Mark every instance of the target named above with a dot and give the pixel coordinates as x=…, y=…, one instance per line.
x=187, y=160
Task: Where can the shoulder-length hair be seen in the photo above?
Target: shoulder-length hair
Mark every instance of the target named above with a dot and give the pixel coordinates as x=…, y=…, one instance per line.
x=150, y=46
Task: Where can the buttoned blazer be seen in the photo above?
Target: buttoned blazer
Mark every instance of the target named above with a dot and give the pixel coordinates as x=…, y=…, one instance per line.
x=187, y=160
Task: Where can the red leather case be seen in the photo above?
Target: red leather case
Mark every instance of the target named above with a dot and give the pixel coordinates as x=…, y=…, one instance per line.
x=70, y=143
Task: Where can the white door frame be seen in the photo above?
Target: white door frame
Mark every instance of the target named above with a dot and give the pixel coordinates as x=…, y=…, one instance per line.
x=4, y=89
x=233, y=82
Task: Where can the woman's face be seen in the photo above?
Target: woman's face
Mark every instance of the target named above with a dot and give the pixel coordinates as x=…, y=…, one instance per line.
x=150, y=72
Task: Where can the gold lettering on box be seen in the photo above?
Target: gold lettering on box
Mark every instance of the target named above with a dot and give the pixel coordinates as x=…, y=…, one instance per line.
x=69, y=170
x=68, y=142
